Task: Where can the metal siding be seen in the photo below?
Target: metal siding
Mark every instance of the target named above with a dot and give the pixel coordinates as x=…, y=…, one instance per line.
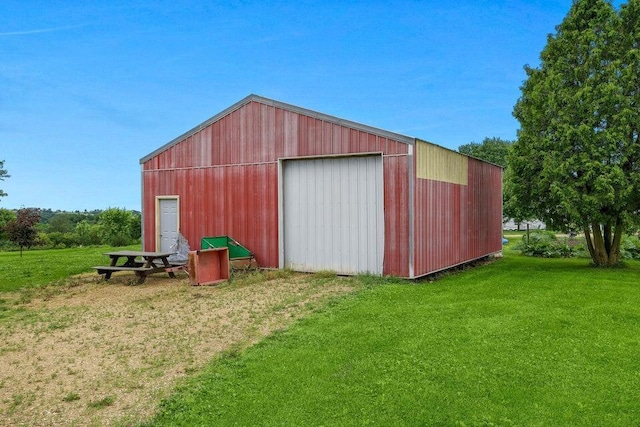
x=456, y=223
x=291, y=141
x=149, y=187
x=303, y=142
x=333, y=214
x=224, y=191
x=327, y=137
x=487, y=189
x=228, y=200
x=215, y=144
x=223, y=142
x=333, y=135
x=396, y=209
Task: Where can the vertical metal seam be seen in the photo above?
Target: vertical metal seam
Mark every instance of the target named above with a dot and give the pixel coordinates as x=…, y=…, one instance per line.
x=381, y=221
x=142, y=213
x=501, y=205
x=281, y=247
x=411, y=207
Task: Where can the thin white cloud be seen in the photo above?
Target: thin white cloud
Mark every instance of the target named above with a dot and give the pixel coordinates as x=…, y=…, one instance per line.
x=42, y=30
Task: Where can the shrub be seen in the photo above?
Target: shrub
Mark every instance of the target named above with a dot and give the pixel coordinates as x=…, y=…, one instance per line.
x=545, y=244
x=43, y=240
x=630, y=247
x=88, y=234
x=62, y=240
x=119, y=239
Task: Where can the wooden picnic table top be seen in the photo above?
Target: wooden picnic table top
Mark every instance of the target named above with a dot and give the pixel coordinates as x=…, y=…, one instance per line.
x=143, y=254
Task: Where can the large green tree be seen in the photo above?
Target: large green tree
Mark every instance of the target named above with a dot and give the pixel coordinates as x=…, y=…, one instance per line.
x=3, y=175
x=119, y=226
x=576, y=160
x=627, y=119
x=494, y=150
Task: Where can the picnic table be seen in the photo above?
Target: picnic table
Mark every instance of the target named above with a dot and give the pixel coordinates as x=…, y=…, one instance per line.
x=140, y=262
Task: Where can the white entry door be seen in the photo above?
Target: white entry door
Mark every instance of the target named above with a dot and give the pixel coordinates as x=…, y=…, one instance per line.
x=333, y=212
x=167, y=223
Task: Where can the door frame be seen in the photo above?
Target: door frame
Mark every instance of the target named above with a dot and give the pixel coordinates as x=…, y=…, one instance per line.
x=158, y=200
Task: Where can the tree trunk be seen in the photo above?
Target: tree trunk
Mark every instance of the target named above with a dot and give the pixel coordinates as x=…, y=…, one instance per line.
x=604, y=247
x=587, y=236
x=615, y=254
x=607, y=238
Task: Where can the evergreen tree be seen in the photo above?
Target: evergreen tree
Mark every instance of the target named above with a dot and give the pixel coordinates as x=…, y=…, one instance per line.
x=576, y=160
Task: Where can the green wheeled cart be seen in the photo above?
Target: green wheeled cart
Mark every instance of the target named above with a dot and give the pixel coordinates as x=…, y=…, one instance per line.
x=240, y=257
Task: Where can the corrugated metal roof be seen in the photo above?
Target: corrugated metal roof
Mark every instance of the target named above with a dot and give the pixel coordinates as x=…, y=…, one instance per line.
x=266, y=101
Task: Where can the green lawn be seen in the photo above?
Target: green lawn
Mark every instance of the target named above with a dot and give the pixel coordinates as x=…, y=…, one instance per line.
x=523, y=341
x=40, y=267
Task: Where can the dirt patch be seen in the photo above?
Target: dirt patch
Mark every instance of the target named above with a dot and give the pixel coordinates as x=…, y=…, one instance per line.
x=96, y=353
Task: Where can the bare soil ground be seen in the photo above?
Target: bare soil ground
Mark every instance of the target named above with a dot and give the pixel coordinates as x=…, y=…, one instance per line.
x=95, y=353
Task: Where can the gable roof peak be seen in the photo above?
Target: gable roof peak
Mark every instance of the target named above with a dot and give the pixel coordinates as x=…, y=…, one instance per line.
x=288, y=107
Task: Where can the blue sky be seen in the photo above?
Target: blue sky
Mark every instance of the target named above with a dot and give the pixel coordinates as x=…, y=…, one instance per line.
x=88, y=88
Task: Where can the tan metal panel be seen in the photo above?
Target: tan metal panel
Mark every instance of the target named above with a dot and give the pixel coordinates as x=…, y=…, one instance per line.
x=439, y=164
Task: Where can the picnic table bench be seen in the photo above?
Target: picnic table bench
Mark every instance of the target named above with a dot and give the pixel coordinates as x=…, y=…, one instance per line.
x=140, y=262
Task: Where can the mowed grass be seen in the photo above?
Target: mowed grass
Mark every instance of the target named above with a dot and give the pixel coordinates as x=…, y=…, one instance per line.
x=522, y=341
x=37, y=268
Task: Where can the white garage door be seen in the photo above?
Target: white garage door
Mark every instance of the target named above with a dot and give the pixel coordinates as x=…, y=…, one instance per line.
x=333, y=214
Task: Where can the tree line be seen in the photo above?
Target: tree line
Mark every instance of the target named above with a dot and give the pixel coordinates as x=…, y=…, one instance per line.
x=575, y=163
x=28, y=227
x=44, y=228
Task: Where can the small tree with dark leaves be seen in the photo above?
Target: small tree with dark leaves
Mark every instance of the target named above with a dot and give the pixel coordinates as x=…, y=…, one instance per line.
x=22, y=230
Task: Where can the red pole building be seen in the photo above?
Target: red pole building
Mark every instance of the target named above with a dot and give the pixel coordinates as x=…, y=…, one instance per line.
x=309, y=191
